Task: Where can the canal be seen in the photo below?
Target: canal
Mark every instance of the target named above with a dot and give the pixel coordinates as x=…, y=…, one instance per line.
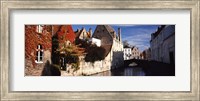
x=142, y=68
x=126, y=71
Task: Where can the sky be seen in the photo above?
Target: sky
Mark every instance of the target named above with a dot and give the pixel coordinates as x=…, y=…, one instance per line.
x=136, y=35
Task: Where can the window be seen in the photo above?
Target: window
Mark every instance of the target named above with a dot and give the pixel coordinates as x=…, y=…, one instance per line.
x=39, y=28
x=39, y=54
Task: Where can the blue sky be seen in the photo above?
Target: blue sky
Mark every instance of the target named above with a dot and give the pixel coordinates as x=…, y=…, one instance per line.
x=136, y=35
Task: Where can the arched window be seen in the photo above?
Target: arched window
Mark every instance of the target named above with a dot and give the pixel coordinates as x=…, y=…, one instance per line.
x=39, y=54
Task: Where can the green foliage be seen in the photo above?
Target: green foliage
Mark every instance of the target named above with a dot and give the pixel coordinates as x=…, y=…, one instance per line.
x=83, y=43
x=71, y=55
x=75, y=66
x=71, y=58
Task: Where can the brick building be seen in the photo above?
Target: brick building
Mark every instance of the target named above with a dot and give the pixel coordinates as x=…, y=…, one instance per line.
x=39, y=42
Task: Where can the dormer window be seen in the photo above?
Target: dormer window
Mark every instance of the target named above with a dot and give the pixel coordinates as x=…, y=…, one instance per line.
x=39, y=28
x=39, y=54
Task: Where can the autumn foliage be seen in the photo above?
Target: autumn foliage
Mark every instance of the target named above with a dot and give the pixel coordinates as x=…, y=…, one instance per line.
x=65, y=33
x=33, y=39
x=60, y=41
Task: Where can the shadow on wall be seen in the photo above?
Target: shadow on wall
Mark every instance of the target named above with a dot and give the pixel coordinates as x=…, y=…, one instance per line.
x=50, y=70
x=118, y=59
x=55, y=55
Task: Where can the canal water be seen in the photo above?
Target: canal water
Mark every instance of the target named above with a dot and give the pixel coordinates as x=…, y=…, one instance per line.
x=126, y=71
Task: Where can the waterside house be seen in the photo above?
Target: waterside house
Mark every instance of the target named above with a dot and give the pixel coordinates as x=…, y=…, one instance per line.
x=162, y=44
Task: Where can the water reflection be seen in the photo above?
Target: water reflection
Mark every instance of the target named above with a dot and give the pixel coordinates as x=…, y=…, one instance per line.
x=128, y=71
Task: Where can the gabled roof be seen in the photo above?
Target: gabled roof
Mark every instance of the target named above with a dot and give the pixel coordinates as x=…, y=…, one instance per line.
x=67, y=32
x=110, y=30
x=78, y=33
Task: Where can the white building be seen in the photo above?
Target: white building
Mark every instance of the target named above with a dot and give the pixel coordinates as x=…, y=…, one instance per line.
x=162, y=44
x=127, y=53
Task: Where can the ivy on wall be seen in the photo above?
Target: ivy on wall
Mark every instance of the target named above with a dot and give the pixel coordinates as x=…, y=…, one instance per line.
x=33, y=39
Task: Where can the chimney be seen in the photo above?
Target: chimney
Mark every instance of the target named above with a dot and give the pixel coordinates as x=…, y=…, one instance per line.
x=90, y=31
x=78, y=30
x=119, y=34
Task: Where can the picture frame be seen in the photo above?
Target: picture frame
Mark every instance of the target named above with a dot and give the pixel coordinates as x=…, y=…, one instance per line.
x=192, y=5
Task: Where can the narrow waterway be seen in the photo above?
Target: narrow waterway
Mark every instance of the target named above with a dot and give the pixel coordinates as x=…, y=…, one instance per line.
x=126, y=71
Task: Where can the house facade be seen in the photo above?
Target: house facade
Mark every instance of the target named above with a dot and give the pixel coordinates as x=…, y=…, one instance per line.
x=112, y=43
x=83, y=34
x=135, y=53
x=146, y=54
x=162, y=44
x=63, y=37
x=127, y=53
x=39, y=45
x=45, y=43
x=37, y=48
x=103, y=36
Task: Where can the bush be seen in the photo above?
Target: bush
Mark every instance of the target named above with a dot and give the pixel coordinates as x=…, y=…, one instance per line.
x=75, y=66
x=95, y=54
x=71, y=58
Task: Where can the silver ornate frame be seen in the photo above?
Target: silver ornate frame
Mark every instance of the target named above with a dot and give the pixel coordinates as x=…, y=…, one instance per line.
x=192, y=5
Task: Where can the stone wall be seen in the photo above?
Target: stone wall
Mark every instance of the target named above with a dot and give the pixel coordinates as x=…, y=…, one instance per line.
x=36, y=70
x=168, y=46
x=117, y=58
x=88, y=68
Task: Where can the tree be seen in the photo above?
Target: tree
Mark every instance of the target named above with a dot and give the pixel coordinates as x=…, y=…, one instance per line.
x=95, y=53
